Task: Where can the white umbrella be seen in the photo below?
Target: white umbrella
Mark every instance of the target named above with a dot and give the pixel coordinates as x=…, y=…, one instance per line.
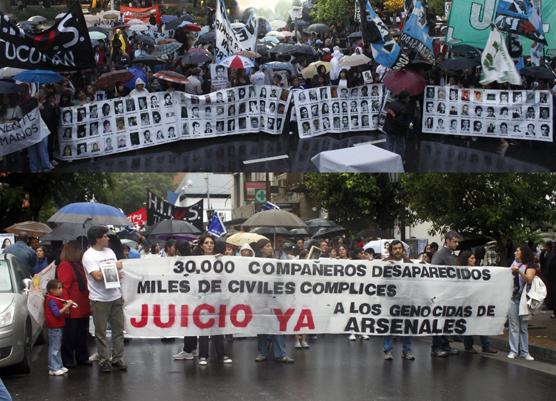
x=134, y=21
x=8, y=72
x=276, y=34
x=380, y=246
x=354, y=60
x=271, y=39
x=96, y=35
x=36, y=19
x=138, y=28
x=278, y=24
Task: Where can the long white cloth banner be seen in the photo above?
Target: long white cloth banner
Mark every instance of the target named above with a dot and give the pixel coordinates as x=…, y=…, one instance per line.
x=131, y=123
x=175, y=297
x=18, y=135
x=514, y=114
x=334, y=109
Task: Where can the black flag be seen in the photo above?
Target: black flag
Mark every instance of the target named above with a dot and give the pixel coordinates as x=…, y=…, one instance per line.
x=64, y=47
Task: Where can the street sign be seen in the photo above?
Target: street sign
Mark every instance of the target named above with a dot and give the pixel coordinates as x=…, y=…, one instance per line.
x=260, y=195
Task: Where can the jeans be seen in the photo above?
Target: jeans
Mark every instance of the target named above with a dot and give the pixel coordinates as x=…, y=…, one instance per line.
x=4, y=393
x=278, y=345
x=406, y=341
x=518, y=331
x=468, y=342
x=217, y=343
x=113, y=312
x=54, y=345
x=38, y=156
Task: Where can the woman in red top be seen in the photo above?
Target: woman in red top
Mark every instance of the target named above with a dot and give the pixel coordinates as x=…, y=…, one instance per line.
x=71, y=274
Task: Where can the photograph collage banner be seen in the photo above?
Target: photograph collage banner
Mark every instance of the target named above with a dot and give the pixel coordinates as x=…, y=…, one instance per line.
x=131, y=123
x=333, y=109
x=514, y=114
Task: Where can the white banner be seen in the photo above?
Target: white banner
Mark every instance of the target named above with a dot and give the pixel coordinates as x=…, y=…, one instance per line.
x=230, y=41
x=18, y=135
x=333, y=109
x=131, y=123
x=35, y=297
x=175, y=297
x=517, y=114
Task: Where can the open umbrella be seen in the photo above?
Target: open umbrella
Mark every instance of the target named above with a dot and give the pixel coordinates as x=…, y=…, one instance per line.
x=66, y=232
x=171, y=76
x=248, y=53
x=169, y=48
x=354, y=60
x=276, y=34
x=39, y=77
x=312, y=69
x=147, y=60
x=145, y=39
x=274, y=218
x=541, y=73
x=302, y=50
x=315, y=224
x=170, y=227
x=37, y=19
x=91, y=213
x=242, y=238
x=237, y=62
x=355, y=35
x=399, y=81
x=138, y=28
x=8, y=87
x=207, y=38
x=282, y=48
x=271, y=39
x=8, y=72
x=271, y=231
x=135, y=21
x=137, y=73
x=328, y=231
x=460, y=64
x=318, y=28
x=189, y=26
x=278, y=24
x=96, y=35
x=167, y=18
x=299, y=232
x=112, y=15
x=465, y=51
x=196, y=55
x=30, y=228
x=110, y=79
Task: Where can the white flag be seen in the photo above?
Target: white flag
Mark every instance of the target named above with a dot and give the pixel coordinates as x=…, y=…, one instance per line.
x=497, y=63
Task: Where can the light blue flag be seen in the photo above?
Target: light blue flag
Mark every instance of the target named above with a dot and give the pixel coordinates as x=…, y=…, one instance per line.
x=520, y=17
x=270, y=206
x=215, y=226
x=415, y=33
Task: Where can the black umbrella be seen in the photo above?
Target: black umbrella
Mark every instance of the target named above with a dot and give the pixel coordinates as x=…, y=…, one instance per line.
x=271, y=231
x=147, y=60
x=8, y=87
x=460, y=64
x=355, y=35
x=145, y=39
x=170, y=226
x=540, y=73
x=321, y=223
x=329, y=231
x=299, y=232
x=207, y=38
x=129, y=234
x=318, y=28
x=302, y=50
x=196, y=57
x=465, y=51
x=66, y=232
x=282, y=48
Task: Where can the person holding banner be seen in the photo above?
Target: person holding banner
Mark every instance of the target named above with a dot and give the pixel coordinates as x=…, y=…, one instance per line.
x=524, y=270
x=263, y=249
x=396, y=253
x=206, y=247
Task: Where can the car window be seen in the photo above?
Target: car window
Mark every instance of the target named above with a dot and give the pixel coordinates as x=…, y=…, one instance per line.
x=18, y=274
x=5, y=277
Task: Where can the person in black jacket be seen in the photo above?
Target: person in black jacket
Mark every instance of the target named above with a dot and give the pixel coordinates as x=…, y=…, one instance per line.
x=398, y=118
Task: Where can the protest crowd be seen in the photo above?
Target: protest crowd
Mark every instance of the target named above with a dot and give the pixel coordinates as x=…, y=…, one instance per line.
x=174, y=55
x=79, y=291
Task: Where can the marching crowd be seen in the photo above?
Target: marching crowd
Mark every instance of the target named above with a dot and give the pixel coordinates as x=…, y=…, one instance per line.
x=79, y=291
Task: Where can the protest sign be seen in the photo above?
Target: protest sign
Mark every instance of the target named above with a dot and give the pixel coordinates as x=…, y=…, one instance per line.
x=334, y=109
x=159, y=209
x=218, y=77
x=18, y=135
x=142, y=14
x=229, y=41
x=205, y=295
x=131, y=123
x=64, y=46
x=6, y=240
x=35, y=298
x=518, y=114
x=138, y=218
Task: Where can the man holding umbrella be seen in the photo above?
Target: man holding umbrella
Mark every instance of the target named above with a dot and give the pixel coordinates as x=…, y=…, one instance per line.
x=107, y=305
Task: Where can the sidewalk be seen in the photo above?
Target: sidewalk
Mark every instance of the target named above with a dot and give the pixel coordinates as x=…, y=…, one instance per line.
x=542, y=337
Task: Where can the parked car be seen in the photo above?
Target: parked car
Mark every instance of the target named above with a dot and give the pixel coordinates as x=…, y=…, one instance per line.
x=18, y=330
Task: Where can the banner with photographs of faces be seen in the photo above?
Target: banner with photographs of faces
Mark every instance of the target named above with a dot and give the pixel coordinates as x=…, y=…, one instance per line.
x=333, y=109
x=131, y=123
x=514, y=114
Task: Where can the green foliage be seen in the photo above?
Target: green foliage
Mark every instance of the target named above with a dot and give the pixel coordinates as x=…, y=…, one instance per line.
x=333, y=11
x=436, y=7
x=356, y=200
x=130, y=189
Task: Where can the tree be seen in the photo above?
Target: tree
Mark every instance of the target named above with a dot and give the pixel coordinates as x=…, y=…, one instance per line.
x=357, y=200
x=436, y=7
x=393, y=5
x=504, y=207
x=333, y=11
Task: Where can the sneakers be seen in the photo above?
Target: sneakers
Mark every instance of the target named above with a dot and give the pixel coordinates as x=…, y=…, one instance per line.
x=512, y=355
x=451, y=351
x=182, y=355
x=298, y=344
x=105, y=367
x=304, y=344
x=203, y=362
x=120, y=365
x=528, y=357
x=388, y=356
x=439, y=353
x=59, y=372
x=260, y=358
x=285, y=359
x=227, y=360
x=352, y=337
x=65, y=369
x=408, y=355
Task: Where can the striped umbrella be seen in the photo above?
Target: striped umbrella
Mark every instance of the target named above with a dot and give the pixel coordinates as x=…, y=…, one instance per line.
x=171, y=76
x=169, y=48
x=90, y=212
x=237, y=62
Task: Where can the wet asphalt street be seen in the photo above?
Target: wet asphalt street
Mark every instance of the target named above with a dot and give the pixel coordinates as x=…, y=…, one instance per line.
x=423, y=153
x=332, y=370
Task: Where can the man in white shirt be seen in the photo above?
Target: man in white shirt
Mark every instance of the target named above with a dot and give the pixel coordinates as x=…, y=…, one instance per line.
x=106, y=303
x=258, y=77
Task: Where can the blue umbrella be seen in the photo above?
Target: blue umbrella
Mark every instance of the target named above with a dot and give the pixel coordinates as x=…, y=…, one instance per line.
x=38, y=77
x=137, y=73
x=90, y=213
